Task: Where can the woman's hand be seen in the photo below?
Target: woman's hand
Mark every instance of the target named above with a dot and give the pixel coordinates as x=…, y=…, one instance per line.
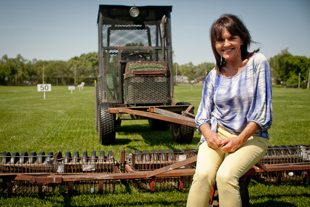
x=214, y=140
x=232, y=144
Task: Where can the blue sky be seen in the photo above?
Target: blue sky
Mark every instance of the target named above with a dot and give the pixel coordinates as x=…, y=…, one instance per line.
x=62, y=29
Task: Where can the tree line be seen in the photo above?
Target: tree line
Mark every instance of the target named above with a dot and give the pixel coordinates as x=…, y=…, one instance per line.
x=286, y=69
x=19, y=71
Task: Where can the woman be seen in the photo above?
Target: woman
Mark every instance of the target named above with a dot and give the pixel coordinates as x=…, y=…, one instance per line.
x=233, y=116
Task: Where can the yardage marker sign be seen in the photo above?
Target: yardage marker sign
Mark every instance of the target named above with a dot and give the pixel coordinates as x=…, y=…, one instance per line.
x=44, y=88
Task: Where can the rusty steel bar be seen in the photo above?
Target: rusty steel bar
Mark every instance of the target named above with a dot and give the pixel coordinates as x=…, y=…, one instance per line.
x=182, y=120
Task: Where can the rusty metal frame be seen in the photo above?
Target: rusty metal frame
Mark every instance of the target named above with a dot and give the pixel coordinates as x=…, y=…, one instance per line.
x=157, y=113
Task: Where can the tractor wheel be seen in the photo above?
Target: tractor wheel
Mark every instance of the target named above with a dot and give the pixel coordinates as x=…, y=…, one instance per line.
x=97, y=103
x=182, y=133
x=244, y=194
x=156, y=124
x=107, y=125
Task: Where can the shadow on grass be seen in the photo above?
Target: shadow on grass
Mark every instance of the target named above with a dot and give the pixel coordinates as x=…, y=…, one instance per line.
x=273, y=204
x=151, y=137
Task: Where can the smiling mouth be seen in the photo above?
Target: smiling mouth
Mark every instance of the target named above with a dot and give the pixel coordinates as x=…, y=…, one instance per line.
x=228, y=50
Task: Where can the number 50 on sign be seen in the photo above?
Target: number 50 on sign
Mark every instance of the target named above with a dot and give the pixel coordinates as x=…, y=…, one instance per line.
x=44, y=87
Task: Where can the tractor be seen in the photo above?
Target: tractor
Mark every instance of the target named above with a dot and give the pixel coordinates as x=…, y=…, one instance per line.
x=136, y=71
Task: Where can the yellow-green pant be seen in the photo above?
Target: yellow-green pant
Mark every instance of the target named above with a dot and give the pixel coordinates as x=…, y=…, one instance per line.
x=224, y=168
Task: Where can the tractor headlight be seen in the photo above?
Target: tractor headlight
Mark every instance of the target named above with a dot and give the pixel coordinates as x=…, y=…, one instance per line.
x=134, y=11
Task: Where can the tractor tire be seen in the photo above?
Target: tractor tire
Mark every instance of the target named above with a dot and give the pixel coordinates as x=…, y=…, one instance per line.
x=156, y=124
x=97, y=103
x=107, y=125
x=182, y=133
x=244, y=192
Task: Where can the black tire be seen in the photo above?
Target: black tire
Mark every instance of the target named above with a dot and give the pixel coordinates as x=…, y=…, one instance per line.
x=93, y=156
x=97, y=103
x=171, y=154
x=163, y=155
x=85, y=160
x=110, y=156
x=155, y=156
x=147, y=157
x=67, y=157
x=76, y=157
x=156, y=124
x=6, y=157
x=23, y=158
x=32, y=157
x=101, y=156
x=138, y=155
x=41, y=157
x=107, y=125
x=244, y=194
x=14, y=158
x=183, y=133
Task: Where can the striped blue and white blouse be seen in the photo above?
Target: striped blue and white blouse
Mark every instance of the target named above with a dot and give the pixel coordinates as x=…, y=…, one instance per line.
x=235, y=101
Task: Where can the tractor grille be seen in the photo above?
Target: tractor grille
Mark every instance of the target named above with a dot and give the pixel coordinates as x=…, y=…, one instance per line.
x=147, y=83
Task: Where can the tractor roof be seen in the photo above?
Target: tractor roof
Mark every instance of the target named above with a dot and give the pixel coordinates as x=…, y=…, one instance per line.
x=147, y=13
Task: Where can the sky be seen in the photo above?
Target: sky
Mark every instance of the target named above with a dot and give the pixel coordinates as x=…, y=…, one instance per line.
x=62, y=29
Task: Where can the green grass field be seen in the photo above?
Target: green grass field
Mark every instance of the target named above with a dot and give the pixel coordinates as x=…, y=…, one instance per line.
x=66, y=122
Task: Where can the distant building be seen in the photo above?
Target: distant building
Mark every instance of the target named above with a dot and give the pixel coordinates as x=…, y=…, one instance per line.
x=182, y=79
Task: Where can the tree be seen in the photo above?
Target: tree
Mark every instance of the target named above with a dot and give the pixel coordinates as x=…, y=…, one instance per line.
x=296, y=65
x=279, y=72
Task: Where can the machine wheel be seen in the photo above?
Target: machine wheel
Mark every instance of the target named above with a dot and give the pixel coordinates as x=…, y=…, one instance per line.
x=93, y=156
x=23, y=158
x=101, y=156
x=14, y=158
x=147, y=157
x=97, y=103
x=244, y=194
x=41, y=157
x=107, y=125
x=155, y=156
x=6, y=157
x=182, y=133
x=76, y=157
x=32, y=157
x=67, y=157
x=85, y=158
x=156, y=124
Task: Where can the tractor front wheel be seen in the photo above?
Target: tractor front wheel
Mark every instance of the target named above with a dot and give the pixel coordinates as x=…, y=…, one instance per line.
x=106, y=125
x=183, y=133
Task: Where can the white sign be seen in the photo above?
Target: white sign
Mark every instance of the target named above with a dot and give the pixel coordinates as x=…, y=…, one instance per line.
x=71, y=88
x=44, y=87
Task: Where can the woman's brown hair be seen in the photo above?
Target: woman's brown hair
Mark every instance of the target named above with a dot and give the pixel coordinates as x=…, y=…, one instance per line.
x=236, y=28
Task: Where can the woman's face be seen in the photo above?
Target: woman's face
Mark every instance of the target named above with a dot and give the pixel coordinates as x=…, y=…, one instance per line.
x=228, y=46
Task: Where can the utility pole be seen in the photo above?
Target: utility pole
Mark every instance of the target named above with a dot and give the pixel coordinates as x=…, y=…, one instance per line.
x=43, y=75
x=176, y=74
x=299, y=80
x=74, y=73
x=308, y=80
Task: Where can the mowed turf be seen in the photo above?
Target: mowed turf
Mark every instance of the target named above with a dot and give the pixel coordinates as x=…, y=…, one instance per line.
x=66, y=122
